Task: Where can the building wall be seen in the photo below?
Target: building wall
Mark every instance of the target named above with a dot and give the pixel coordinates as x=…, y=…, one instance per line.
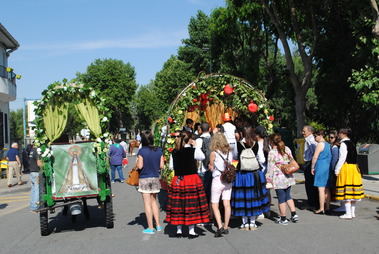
x=4, y=125
x=3, y=57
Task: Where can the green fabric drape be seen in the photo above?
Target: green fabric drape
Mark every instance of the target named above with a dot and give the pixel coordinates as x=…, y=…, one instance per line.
x=55, y=120
x=91, y=115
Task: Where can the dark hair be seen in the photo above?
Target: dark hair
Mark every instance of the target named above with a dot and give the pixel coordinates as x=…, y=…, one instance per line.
x=220, y=127
x=189, y=121
x=346, y=131
x=182, y=139
x=197, y=125
x=147, y=139
x=205, y=127
x=117, y=140
x=249, y=135
x=261, y=131
x=320, y=133
x=276, y=140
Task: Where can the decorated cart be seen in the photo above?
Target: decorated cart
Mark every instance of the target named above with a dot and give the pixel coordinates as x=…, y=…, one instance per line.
x=72, y=173
x=207, y=99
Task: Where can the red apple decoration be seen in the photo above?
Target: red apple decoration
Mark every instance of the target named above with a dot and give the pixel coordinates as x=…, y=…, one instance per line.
x=228, y=89
x=252, y=107
x=194, y=100
x=271, y=118
x=170, y=119
x=170, y=149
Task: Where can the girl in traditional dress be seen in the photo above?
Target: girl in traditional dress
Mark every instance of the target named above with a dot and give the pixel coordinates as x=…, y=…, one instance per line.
x=187, y=202
x=249, y=194
x=349, y=180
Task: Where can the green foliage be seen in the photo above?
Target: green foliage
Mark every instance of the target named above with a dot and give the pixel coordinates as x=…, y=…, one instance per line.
x=116, y=81
x=174, y=76
x=16, y=126
x=148, y=106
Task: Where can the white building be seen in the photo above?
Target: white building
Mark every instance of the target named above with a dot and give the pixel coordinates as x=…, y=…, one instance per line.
x=8, y=87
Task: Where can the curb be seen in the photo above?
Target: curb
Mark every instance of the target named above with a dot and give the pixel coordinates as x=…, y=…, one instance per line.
x=376, y=198
x=368, y=196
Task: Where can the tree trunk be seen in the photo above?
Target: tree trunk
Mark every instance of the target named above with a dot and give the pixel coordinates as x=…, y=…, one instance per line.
x=300, y=110
x=375, y=29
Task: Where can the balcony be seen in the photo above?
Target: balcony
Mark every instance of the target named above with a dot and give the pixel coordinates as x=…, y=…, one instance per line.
x=7, y=85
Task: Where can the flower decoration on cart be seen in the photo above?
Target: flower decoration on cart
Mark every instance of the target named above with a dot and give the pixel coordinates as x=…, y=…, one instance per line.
x=51, y=119
x=207, y=99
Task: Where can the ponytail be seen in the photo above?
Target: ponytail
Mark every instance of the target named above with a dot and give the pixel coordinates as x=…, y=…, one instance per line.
x=277, y=141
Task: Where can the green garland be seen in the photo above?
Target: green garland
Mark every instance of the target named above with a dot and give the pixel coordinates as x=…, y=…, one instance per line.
x=209, y=89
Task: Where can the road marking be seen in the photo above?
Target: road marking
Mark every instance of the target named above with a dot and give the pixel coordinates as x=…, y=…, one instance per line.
x=14, y=210
x=12, y=201
x=14, y=197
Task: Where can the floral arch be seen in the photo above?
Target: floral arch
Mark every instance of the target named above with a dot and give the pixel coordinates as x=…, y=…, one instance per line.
x=207, y=99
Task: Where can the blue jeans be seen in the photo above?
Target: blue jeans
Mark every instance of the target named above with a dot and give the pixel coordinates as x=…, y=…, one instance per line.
x=34, y=192
x=119, y=170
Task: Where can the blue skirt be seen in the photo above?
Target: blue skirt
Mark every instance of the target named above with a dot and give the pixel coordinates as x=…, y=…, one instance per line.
x=249, y=194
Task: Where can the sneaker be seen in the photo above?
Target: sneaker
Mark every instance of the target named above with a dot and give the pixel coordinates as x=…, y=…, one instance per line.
x=113, y=181
x=346, y=216
x=244, y=227
x=261, y=217
x=149, y=231
x=121, y=181
x=159, y=228
x=283, y=222
x=253, y=226
x=295, y=218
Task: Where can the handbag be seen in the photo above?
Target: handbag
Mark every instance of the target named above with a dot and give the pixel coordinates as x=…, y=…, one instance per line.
x=229, y=173
x=133, y=177
x=290, y=168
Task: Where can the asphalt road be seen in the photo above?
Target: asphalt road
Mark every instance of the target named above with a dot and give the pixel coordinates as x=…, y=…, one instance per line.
x=20, y=231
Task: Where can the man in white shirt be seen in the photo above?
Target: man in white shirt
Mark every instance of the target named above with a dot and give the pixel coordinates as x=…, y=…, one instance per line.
x=309, y=149
x=230, y=131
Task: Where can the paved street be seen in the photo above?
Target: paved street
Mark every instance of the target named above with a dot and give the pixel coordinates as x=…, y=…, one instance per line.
x=313, y=234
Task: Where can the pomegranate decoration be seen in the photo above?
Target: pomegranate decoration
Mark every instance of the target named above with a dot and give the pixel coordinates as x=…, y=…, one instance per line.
x=228, y=89
x=252, y=107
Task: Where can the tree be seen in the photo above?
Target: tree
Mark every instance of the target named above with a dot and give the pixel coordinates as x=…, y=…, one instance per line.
x=197, y=49
x=147, y=106
x=116, y=81
x=16, y=126
x=174, y=76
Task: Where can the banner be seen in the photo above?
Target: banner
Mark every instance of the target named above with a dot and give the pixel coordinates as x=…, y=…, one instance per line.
x=74, y=170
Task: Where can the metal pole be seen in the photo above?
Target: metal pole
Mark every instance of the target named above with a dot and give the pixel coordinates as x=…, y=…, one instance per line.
x=24, y=121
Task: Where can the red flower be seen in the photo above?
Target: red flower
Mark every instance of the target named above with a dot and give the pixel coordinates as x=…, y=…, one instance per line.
x=170, y=119
x=271, y=118
x=194, y=100
x=170, y=149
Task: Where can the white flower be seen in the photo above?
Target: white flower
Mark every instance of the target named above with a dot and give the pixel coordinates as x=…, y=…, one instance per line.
x=184, y=94
x=65, y=88
x=49, y=155
x=98, y=140
x=39, y=150
x=270, y=126
x=104, y=119
x=92, y=93
x=106, y=134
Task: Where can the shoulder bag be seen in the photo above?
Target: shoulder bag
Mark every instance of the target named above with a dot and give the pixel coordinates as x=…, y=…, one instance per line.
x=229, y=173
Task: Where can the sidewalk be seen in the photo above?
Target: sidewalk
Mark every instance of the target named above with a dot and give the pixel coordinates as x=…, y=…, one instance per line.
x=370, y=184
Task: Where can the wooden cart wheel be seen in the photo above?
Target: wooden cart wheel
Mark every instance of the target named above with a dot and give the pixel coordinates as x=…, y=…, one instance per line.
x=43, y=216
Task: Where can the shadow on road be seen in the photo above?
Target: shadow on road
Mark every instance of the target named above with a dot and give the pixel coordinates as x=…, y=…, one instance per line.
x=61, y=223
x=2, y=206
x=140, y=220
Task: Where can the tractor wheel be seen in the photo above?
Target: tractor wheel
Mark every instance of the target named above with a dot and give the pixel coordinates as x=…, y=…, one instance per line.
x=43, y=215
x=108, y=206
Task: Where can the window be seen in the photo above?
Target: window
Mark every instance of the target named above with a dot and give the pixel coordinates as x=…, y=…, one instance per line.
x=1, y=130
x=6, y=128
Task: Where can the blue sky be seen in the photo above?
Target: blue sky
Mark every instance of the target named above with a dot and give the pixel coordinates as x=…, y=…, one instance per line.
x=60, y=38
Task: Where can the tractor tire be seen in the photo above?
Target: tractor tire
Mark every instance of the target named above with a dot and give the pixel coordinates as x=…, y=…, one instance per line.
x=43, y=215
x=109, y=216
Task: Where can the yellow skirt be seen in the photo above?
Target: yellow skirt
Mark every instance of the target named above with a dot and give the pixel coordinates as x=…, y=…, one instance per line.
x=349, y=183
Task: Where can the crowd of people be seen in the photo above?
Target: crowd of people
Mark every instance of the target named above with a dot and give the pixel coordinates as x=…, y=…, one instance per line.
x=201, y=161
x=201, y=193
